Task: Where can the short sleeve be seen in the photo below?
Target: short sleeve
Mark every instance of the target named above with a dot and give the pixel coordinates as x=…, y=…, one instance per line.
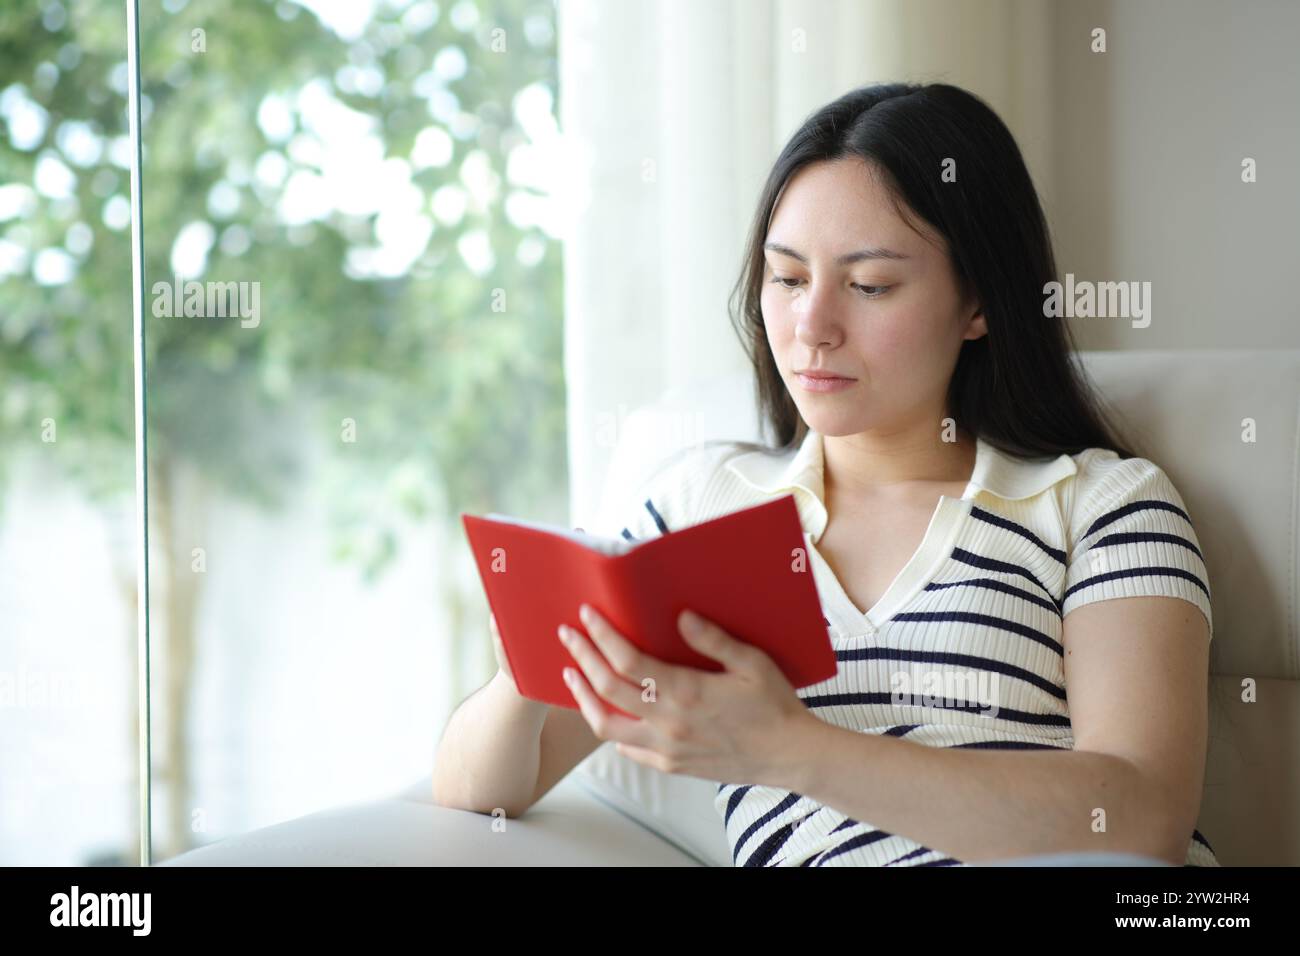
x=637, y=512
x=1132, y=537
x=678, y=491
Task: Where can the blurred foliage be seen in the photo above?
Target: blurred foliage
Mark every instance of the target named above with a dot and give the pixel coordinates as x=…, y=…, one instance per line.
x=449, y=397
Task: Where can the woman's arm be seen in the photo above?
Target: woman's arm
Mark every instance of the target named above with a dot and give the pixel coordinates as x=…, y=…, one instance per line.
x=490, y=750
x=500, y=749
x=503, y=750
x=1136, y=669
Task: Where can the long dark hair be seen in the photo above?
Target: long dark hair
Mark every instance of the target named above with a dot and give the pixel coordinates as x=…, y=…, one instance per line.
x=1021, y=386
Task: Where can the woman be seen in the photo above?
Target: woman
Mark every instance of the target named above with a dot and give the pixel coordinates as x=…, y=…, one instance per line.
x=980, y=541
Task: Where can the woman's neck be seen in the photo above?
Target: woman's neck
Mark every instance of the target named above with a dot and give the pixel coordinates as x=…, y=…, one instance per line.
x=895, y=463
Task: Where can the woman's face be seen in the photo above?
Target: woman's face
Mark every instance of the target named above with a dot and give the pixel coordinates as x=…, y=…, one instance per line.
x=851, y=289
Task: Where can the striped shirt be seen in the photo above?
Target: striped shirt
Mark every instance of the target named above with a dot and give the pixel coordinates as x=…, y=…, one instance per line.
x=964, y=648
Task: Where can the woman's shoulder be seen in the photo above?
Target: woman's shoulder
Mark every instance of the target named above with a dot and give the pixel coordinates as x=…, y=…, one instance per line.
x=695, y=481
x=700, y=461
x=1104, y=479
x=1131, y=534
x=683, y=487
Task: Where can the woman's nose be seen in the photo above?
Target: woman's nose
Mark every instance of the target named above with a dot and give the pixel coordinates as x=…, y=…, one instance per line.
x=816, y=323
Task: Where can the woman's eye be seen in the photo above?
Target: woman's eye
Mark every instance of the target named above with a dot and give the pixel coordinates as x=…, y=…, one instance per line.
x=871, y=291
x=867, y=291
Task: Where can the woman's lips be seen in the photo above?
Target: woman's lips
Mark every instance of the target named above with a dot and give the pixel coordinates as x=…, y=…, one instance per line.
x=812, y=384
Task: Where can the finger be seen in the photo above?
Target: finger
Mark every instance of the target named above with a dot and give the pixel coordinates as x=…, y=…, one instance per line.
x=610, y=685
x=712, y=641
x=604, y=724
x=627, y=659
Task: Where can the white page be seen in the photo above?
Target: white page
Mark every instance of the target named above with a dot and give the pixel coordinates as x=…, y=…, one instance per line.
x=610, y=546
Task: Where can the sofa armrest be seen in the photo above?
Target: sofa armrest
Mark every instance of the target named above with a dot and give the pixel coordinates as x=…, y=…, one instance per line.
x=567, y=827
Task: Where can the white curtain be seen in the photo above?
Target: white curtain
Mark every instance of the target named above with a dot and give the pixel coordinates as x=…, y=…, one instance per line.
x=673, y=112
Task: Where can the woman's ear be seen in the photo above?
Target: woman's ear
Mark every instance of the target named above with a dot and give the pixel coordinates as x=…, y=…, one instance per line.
x=973, y=309
x=976, y=326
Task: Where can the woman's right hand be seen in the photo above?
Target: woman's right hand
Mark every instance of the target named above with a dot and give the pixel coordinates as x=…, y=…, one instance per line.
x=502, y=661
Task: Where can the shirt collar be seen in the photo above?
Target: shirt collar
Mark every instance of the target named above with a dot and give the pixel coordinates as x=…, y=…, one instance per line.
x=801, y=471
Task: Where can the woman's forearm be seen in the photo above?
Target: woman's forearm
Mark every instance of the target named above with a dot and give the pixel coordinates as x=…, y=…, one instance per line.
x=490, y=751
x=981, y=805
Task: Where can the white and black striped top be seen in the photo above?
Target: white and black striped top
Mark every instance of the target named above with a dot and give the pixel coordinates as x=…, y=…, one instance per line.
x=981, y=602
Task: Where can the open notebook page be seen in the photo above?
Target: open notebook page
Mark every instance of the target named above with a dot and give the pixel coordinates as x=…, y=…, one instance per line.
x=610, y=546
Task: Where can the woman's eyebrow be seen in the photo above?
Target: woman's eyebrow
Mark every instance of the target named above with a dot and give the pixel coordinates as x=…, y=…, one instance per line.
x=847, y=259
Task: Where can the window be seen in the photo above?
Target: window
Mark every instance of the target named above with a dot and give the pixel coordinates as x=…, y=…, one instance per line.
x=353, y=330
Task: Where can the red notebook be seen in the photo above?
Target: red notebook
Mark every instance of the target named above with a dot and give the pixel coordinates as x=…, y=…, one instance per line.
x=747, y=571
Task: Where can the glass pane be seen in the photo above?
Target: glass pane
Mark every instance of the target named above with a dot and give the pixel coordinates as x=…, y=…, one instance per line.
x=354, y=335
x=67, y=473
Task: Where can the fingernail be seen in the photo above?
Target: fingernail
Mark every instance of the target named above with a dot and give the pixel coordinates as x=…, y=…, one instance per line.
x=584, y=612
x=563, y=632
x=568, y=675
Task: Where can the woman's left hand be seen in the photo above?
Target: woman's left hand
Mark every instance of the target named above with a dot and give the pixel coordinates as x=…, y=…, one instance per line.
x=736, y=725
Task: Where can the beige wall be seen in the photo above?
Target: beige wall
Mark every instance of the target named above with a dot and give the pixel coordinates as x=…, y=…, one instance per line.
x=1146, y=178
